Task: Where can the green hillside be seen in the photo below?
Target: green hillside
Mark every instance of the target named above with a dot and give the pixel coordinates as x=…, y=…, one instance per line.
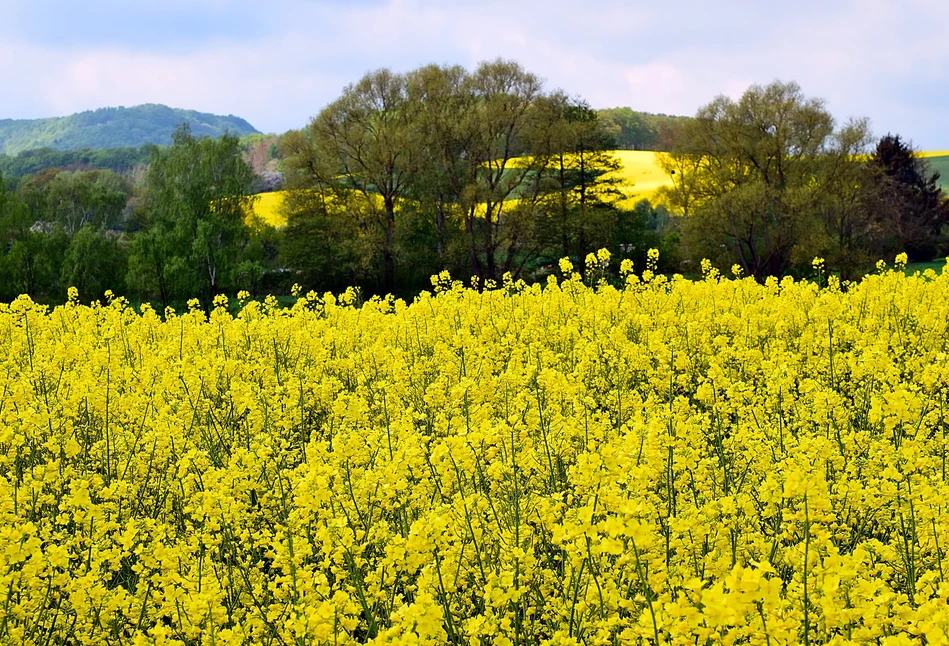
x=941, y=166
x=113, y=128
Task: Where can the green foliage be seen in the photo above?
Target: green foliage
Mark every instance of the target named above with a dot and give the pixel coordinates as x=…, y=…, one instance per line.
x=95, y=261
x=363, y=140
x=119, y=160
x=114, y=128
x=644, y=227
x=258, y=269
x=29, y=256
x=580, y=183
x=482, y=173
x=194, y=234
x=79, y=198
x=937, y=266
x=753, y=178
x=324, y=242
x=911, y=193
x=30, y=265
x=631, y=130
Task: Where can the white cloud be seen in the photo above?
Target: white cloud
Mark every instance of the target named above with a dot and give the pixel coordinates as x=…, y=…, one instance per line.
x=870, y=58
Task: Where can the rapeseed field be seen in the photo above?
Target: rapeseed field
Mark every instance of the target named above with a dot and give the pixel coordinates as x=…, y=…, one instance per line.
x=656, y=460
x=268, y=207
x=641, y=176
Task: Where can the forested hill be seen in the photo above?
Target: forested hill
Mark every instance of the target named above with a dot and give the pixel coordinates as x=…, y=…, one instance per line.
x=632, y=130
x=114, y=128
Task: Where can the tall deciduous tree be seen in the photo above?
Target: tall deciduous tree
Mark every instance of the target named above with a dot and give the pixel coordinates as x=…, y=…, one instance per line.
x=194, y=230
x=325, y=242
x=498, y=131
x=438, y=142
x=444, y=109
x=582, y=185
x=364, y=141
x=94, y=261
x=474, y=137
x=753, y=174
x=849, y=228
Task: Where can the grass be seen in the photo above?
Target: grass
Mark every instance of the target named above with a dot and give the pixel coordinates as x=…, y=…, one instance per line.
x=936, y=265
x=940, y=164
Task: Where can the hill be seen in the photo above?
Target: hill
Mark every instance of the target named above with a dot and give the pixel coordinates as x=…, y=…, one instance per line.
x=114, y=128
x=939, y=162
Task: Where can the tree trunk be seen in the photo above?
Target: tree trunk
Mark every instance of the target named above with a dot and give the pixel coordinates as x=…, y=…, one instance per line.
x=476, y=269
x=212, y=277
x=440, y=232
x=491, y=269
x=564, y=214
x=583, y=215
x=388, y=258
x=162, y=286
x=31, y=280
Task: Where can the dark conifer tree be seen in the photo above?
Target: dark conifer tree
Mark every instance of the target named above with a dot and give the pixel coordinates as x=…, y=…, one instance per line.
x=920, y=210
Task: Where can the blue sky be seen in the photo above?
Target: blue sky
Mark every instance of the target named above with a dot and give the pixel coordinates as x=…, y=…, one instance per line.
x=276, y=63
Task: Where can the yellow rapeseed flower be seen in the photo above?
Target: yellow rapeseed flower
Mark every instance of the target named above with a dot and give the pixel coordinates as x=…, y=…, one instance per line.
x=666, y=461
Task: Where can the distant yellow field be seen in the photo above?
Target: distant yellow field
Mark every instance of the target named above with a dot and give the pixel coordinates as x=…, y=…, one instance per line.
x=642, y=178
x=267, y=208
x=642, y=175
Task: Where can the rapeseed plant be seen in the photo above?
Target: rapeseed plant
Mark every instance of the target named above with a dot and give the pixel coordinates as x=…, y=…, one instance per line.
x=668, y=461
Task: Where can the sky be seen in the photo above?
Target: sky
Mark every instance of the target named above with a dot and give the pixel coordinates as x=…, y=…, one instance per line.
x=277, y=62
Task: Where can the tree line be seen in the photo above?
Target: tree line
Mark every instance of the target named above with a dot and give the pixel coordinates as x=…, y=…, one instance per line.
x=485, y=173
x=632, y=130
x=481, y=172
x=179, y=232
x=771, y=180
x=29, y=162
x=627, y=128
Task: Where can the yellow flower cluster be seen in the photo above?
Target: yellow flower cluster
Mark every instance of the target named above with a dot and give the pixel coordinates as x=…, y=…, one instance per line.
x=678, y=462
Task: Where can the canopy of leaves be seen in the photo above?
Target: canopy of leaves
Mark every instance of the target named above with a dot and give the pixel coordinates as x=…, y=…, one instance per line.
x=119, y=160
x=484, y=168
x=632, y=130
x=193, y=234
x=753, y=176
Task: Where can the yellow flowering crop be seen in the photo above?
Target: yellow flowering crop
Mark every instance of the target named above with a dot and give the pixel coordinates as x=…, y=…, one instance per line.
x=679, y=462
x=269, y=208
